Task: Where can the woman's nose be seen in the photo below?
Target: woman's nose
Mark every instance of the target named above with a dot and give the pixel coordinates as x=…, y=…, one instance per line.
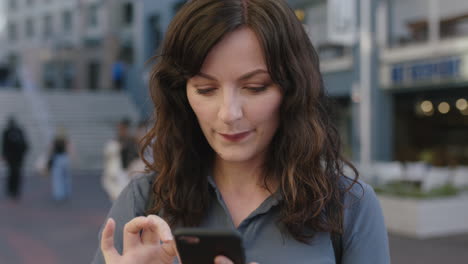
x=230, y=107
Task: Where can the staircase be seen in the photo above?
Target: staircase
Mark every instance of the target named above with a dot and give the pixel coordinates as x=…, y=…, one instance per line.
x=90, y=120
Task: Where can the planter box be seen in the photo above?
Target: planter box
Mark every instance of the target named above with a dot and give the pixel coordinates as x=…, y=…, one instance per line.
x=425, y=218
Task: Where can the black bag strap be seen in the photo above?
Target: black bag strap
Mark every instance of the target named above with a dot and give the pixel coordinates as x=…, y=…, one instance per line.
x=337, y=246
x=337, y=238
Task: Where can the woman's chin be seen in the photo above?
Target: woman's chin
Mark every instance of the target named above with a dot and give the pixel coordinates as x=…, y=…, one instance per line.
x=234, y=156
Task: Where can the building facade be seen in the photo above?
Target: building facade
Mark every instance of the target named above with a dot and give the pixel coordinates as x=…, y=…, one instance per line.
x=424, y=66
x=415, y=60
x=418, y=68
x=151, y=21
x=70, y=44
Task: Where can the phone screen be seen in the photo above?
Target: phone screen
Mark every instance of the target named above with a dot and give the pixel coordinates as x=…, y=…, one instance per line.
x=201, y=245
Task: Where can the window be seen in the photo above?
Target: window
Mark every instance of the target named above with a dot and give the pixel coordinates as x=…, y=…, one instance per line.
x=49, y=75
x=127, y=14
x=47, y=26
x=126, y=53
x=93, y=75
x=409, y=22
x=67, y=21
x=29, y=28
x=93, y=16
x=68, y=75
x=12, y=34
x=424, y=131
x=453, y=15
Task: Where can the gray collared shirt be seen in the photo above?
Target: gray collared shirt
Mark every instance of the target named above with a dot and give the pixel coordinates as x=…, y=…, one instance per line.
x=364, y=240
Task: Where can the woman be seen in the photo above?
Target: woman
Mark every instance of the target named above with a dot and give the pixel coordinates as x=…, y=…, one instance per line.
x=60, y=167
x=114, y=178
x=243, y=140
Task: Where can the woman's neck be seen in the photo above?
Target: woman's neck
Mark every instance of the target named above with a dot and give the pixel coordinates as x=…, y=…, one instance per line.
x=242, y=187
x=239, y=177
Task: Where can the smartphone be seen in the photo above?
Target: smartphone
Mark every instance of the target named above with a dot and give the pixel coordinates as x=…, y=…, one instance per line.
x=202, y=245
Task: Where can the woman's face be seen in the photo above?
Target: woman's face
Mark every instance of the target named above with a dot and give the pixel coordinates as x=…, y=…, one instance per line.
x=234, y=99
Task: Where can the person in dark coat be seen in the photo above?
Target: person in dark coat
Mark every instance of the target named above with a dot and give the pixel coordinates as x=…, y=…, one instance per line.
x=14, y=148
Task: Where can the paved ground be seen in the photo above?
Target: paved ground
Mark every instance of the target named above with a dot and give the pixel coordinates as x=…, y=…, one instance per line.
x=448, y=250
x=38, y=231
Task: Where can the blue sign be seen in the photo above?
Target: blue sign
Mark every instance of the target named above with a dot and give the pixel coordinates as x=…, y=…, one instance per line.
x=427, y=71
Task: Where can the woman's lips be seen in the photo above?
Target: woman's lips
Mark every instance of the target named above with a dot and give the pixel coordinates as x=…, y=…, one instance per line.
x=235, y=137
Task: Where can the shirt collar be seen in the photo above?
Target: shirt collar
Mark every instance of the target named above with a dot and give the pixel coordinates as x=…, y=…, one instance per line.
x=273, y=200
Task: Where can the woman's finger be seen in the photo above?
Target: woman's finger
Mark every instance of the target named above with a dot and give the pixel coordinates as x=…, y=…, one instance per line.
x=162, y=232
x=170, y=248
x=222, y=260
x=162, y=228
x=150, y=234
x=131, y=234
x=107, y=242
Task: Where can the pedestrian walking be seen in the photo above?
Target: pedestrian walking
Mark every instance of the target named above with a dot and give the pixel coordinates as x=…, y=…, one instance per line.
x=116, y=154
x=14, y=148
x=59, y=167
x=243, y=140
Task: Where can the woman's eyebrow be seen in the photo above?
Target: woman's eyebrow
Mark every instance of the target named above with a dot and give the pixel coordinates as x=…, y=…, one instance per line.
x=243, y=77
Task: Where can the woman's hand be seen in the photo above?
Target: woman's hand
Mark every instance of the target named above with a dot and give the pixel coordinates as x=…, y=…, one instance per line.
x=224, y=260
x=155, y=245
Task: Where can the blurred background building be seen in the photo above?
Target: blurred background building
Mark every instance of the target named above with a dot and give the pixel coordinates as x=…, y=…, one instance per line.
x=398, y=71
x=412, y=106
x=59, y=63
x=73, y=44
x=419, y=76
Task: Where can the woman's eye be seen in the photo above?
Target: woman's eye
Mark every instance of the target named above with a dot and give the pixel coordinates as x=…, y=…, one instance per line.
x=256, y=89
x=205, y=90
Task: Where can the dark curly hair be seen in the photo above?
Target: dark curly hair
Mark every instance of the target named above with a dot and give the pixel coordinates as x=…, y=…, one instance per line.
x=305, y=154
